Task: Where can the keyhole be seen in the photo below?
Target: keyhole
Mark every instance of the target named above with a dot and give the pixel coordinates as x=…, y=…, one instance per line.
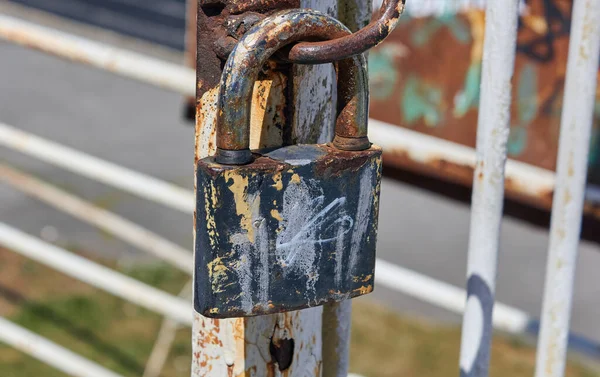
x=282, y=352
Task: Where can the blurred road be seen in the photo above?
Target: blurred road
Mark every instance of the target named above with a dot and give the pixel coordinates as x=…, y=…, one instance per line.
x=157, y=21
x=140, y=127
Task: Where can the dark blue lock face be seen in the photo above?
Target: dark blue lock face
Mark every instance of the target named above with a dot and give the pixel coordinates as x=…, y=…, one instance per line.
x=295, y=229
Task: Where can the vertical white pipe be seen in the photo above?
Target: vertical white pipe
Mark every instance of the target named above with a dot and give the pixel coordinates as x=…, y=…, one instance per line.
x=49, y=352
x=488, y=184
x=571, y=171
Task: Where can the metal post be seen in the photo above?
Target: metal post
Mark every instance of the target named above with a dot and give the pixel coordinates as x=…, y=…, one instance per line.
x=488, y=184
x=575, y=132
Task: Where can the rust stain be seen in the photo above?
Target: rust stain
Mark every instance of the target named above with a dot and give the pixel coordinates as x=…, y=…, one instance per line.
x=364, y=289
x=354, y=44
x=463, y=174
x=276, y=215
x=241, y=6
x=239, y=188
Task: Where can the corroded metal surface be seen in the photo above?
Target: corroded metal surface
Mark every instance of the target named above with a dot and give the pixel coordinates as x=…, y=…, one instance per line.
x=294, y=229
x=215, y=36
x=245, y=63
x=354, y=44
x=410, y=88
x=241, y=6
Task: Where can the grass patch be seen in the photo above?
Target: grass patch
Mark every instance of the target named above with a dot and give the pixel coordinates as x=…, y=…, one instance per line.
x=119, y=335
x=385, y=344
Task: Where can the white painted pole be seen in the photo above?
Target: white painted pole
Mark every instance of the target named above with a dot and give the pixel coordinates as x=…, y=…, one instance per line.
x=96, y=275
x=488, y=185
x=571, y=172
x=111, y=223
x=126, y=63
x=49, y=352
x=106, y=172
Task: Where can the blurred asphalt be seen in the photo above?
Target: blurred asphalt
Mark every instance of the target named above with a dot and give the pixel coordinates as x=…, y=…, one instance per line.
x=140, y=127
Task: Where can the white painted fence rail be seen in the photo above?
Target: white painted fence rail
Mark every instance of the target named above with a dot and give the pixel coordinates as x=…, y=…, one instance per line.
x=111, y=223
x=49, y=352
x=97, y=275
x=91, y=167
x=110, y=58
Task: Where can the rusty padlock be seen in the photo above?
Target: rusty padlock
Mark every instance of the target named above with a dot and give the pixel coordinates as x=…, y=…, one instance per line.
x=294, y=227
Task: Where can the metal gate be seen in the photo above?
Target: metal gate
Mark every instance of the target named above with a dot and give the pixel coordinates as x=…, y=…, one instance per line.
x=236, y=347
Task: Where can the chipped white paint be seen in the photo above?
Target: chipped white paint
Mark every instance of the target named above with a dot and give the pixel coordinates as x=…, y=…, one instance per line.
x=304, y=217
x=527, y=179
x=365, y=203
x=302, y=222
x=488, y=183
x=571, y=171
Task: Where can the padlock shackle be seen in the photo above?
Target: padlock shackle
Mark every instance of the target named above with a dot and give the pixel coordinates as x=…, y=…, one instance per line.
x=246, y=61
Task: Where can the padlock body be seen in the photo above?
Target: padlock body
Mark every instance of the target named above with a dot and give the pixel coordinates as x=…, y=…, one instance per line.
x=297, y=228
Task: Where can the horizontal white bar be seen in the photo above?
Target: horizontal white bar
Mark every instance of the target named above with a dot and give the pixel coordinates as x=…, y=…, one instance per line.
x=49, y=352
x=111, y=223
x=126, y=63
x=444, y=295
x=425, y=149
x=106, y=172
x=421, y=148
x=97, y=275
x=389, y=275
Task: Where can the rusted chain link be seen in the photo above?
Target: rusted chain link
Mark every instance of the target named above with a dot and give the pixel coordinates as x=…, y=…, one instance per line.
x=329, y=51
x=354, y=44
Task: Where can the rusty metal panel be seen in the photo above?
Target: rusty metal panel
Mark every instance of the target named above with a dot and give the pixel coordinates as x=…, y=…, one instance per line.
x=297, y=228
x=426, y=77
